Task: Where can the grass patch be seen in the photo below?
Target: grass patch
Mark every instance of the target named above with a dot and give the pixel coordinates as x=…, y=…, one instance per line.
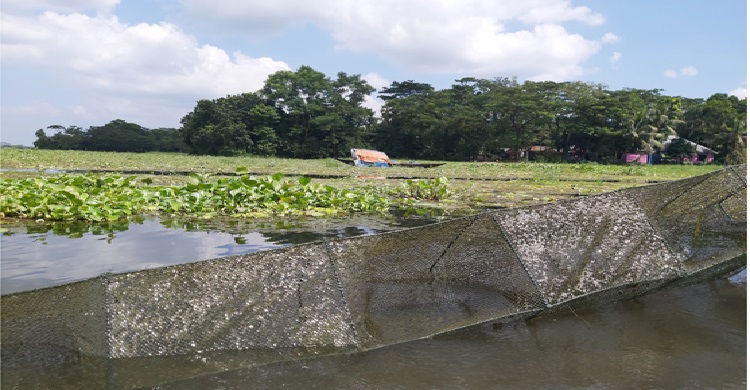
x=458, y=187
x=68, y=159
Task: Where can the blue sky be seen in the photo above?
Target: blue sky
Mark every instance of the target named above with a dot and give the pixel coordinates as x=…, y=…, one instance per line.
x=87, y=62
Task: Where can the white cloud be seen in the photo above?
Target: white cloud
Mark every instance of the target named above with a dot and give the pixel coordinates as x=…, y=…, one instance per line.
x=687, y=71
x=450, y=36
x=544, y=11
x=33, y=108
x=615, y=58
x=105, y=6
x=610, y=38
x=150, y=74
x=156, y=59
x=372, y=101
x=740, y=92
x=376, y=81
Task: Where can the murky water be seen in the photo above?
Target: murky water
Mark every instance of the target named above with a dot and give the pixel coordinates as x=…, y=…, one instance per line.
x=43, y=255
x=691, y=337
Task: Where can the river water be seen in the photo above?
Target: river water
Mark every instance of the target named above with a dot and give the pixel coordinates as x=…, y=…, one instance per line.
x=691, y=337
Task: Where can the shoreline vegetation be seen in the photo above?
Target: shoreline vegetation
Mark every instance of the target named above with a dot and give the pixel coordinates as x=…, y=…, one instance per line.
x=307, y=114
x=37, y=185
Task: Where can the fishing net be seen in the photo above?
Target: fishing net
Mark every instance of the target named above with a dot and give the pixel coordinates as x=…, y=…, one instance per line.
x=356, y=294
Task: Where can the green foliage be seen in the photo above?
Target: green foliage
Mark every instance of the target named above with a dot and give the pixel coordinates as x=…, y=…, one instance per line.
x=319, y=117
x=113, y=197
x=296, y=114
x=37, y=159
x=430, y=189
x=576, y=121
x=116, y=136
x=306, y=114
x=679, y=148
x=69, y=196
x=70, y=138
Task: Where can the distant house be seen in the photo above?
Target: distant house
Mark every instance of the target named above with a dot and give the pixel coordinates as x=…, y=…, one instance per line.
x=703, y=154
x=635, y=158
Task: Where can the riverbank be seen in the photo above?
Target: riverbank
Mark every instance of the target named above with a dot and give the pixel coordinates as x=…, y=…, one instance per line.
x=472, y=186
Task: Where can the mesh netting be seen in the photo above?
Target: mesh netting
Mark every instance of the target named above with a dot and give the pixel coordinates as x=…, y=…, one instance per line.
x=355, y=294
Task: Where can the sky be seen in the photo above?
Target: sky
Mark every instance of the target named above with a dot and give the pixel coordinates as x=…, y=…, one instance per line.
x=87, y=62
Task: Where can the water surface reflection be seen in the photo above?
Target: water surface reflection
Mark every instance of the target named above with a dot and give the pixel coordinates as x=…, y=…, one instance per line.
x=43, y=255
x=691, y=337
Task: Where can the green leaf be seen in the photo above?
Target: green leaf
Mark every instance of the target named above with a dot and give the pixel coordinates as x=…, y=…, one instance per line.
x=194, y=179
x=176, y=206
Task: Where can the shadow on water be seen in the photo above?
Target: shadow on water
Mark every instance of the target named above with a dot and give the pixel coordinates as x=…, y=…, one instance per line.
x=685, y=337
x=691, y=337
x=688, y=337
x=43, y=254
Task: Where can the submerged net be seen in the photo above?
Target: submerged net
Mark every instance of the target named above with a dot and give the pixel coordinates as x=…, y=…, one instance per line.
x=356, y=294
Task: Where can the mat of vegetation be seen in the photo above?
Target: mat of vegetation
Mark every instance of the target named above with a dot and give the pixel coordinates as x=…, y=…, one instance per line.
x=112, y=197
x=34, y=159
x=34, y=185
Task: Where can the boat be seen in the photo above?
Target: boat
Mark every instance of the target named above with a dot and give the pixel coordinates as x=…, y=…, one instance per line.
x=375, y=158
x=413, y=164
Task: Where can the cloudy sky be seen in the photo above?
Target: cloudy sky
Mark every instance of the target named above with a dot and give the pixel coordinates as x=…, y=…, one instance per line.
x=86, y=62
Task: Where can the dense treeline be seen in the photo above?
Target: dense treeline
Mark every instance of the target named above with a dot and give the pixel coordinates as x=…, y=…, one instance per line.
x=305, y=114
x=301, y=114
x=116, y=136
x=478, y=118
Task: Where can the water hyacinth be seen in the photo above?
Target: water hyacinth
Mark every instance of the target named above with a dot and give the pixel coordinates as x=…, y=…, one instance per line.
x=428, y=189
x=112, y=197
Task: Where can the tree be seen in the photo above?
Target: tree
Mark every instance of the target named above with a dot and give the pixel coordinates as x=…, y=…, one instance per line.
x=65, y=138
x=344, y=123
x=214, y=127
x=298, y=98
x=305, y=114
x=263, y=118
x=42, y=140
x=725, y=120
x=693, y=126
x=407, y=115
x=599, y=120
x=301, y=114
x=679, y=149
x=649, y=127
x=464, y=131
x=167, y=140
x=119, y=136
x=515, y=109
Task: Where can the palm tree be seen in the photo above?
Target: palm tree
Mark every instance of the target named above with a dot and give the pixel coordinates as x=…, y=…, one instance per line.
x=726, y=122
x=734, y=139
x=649, y=127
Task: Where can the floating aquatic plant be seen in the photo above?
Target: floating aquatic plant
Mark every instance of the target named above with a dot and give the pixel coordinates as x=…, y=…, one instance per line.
x=112, y=197
x=428, y=189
